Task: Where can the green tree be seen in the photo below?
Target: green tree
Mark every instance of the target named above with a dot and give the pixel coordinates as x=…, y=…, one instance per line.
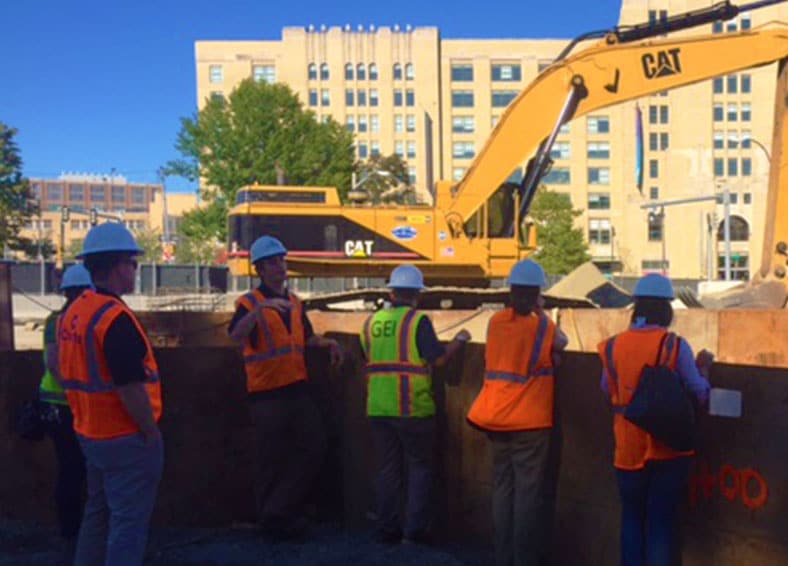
x=31, y=247
x=561, y=246
x=150, y=242
x=73, y=249
x=197, y=235
x=385, y=179
x=17, y=202
x=260, y=132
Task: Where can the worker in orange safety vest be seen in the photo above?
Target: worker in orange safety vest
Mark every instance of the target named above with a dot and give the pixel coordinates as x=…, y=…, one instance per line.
x=515, y=409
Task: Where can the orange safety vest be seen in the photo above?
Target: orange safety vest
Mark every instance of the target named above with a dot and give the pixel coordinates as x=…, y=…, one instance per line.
x=278, y=358
x=517, y=393
x=98, y=410
x=624, y=356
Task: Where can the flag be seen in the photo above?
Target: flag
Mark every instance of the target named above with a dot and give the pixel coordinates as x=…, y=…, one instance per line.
x=639, y=148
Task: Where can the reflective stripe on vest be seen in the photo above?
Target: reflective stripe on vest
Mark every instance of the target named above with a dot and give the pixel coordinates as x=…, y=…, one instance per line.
x=541, y=332
x=396, y=357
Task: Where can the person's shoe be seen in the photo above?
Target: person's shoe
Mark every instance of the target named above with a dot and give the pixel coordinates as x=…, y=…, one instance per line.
x=388, y=537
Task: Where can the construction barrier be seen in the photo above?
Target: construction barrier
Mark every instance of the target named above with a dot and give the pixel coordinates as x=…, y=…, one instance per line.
x=735, y=508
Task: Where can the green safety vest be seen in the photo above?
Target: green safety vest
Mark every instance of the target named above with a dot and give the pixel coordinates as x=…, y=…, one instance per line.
x=49, y=390
x=398, y=379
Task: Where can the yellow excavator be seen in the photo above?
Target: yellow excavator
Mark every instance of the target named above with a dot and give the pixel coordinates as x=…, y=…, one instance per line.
x=477, y=227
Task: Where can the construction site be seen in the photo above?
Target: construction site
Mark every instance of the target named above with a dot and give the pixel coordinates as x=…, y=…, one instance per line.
x=737, y=500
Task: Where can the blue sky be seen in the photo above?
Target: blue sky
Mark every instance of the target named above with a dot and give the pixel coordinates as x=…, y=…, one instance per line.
x=92, y=85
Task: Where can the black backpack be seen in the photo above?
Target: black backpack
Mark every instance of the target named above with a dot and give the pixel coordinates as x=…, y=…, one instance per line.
x=660, y=404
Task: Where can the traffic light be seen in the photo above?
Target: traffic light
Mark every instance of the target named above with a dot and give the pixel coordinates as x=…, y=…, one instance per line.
x=93, y=216
x=65, y=214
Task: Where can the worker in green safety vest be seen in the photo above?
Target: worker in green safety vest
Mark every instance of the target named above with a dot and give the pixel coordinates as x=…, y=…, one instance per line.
x=400, y=345
x=69, y=486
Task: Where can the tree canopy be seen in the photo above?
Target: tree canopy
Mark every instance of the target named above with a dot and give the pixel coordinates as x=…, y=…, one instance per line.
x=17, y=203
x=561, y=246
x=385, y=179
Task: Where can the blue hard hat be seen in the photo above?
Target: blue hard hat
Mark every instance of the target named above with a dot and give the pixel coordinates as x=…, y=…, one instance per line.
x=406, y=277
x=527, y=272
x=109, y=237
x=655, y=286
x=265, y=247
x=76, y=276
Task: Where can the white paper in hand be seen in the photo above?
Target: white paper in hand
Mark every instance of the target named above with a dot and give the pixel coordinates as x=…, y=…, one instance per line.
x=725, y=403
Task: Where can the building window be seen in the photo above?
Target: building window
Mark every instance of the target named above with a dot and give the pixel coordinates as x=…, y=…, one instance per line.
x=362, y=151
x=740, y=230
x=719, y=139
x=362, y=123
x=350, y=123
x=598, y=175
x=119, y=195
x=217, y=96
x=410, y=97
x=664, y=114
x=412, y=175
x=399, y=123
x=325, y=97
x=138, y=195
x=664, y=141
x=462, y=124
x=653, y=142
x=399, y=148
x=716, y=27
x=733, y=112
x=746, y=136
x=373, y=72
x=312, y=72
x=76, y=193
x=264, y=73
x=361, y=97
x=594, y=125
x=560, y=150
x=462, y=73
x=747, y=198
x=746, y=84
x=651, y=265
x=54, y=193
x=653, y=193
x=719, y=167
x=598, y=150
x=510, y=72
x=411, y=149
x=733, y=167
x=558, y=176
x=655, y=226
x=502, y=98
x=98, y=194
x=349, y=97
x=410, y=123
x=718, y=113
x=361, y=72
x=324, y=74
x=462, y=98
x=215, y=74
x=733, y=139
x=312, y=97
x=410, y=73
x=457, y=173
x=374, y=149
x=374, y=124
x=349, y=71
x=746, y=22
x=746, y=167
x=733, y=84
x=599, y=231
x=731, y=26
x=397, y=97
x=463, y=150
x=734, y=198
x=718, y=85
x=746, y=112
x=373, y=97
x=653, y=168
x=598, y=201
x=397, y=70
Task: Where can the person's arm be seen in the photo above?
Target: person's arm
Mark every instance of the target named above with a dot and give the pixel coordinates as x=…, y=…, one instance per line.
x=137, y=404
x=312, y=339
x=244, y=321
x=560, y=340
x=431, y=349
x=694, y=375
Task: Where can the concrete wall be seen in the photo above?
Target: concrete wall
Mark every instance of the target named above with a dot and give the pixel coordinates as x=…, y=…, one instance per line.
x=207, y=477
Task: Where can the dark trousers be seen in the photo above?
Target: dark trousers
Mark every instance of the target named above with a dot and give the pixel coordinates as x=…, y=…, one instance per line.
x=522, y=498
x=290, y=447
x=413, y=438
x=70, y=483
x=650, y=500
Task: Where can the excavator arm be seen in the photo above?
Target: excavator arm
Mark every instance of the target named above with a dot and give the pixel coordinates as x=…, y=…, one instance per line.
x=602, y=75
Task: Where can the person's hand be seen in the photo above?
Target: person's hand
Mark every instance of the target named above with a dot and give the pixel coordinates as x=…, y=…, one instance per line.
x=462, y=336
x=281, y=305
x=335, y=352
x=703, y=360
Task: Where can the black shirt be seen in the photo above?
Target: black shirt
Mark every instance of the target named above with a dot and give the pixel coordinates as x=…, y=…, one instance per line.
x=124, y=348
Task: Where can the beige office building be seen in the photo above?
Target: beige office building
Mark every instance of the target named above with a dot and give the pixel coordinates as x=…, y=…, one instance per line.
x=434, y=101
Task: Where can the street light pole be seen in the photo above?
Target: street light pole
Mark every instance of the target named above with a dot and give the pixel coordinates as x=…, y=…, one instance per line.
x=726, y=202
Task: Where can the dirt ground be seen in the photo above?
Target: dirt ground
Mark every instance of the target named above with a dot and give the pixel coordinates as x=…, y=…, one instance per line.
x=23, y=543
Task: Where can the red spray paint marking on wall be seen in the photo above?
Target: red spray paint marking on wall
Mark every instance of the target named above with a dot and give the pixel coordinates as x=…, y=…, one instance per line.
x=746, y=485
